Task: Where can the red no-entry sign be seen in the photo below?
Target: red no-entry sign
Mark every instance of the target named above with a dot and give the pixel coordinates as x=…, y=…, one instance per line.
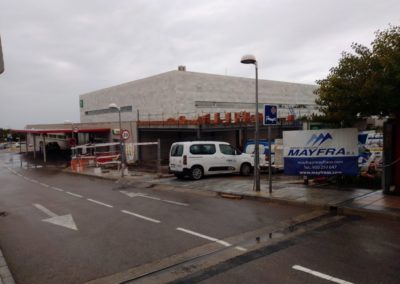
x=125, y=134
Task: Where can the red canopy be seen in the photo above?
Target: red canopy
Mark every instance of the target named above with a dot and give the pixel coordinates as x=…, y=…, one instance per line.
x=46, y=131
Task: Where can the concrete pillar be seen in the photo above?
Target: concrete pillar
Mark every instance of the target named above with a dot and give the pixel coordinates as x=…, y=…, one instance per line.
x=26, y=143
x=34, y=146
x=44, y=148
x=199, y=132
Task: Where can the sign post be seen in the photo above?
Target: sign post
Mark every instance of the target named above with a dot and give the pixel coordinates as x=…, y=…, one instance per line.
x=270, y=118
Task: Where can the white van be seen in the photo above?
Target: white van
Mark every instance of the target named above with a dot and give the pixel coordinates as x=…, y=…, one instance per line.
x=198, y=158
x=276, y=154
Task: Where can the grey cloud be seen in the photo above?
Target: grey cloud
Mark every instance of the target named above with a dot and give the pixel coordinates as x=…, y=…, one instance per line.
x=56, y=50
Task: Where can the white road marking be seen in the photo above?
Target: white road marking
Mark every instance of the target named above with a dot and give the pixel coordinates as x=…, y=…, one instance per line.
x=241, y=248
x=175, y=202
x=100, y=203
x=149, y=197
x=45, y=210
x=133, y=194
x=73, y=194
x=58, y=189
x=43, y=184
x=201, y=236
x=26, y=178
x=221, y=242
x=140, y=216
x=34, y=181
x=19, y=175
x=65, y=220
x=320, y=275
x=130, y=194
x=226, y=244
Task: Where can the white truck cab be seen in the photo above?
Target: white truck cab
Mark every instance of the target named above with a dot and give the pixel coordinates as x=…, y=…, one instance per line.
x=198, y=158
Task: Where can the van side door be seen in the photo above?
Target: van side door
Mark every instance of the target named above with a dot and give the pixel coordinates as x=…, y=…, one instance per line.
x=203, y=154
x=229, y=158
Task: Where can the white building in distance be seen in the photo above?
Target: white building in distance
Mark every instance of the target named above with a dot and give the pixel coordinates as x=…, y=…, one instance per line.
x=191, y=94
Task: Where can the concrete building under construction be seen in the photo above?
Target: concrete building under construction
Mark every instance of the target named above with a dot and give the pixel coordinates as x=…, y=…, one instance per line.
x=186, y=94
x=181, y=105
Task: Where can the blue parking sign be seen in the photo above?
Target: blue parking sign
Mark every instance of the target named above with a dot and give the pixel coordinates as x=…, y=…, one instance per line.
x=270, y=114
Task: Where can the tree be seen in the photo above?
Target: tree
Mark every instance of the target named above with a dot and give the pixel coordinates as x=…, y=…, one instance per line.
x=365, y=83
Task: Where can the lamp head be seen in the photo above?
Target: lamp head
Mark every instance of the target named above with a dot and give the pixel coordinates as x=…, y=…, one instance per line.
x=248, y=59
x=113, y=105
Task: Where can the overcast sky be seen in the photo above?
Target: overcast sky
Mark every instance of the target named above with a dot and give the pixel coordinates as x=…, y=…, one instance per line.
x=55, y=50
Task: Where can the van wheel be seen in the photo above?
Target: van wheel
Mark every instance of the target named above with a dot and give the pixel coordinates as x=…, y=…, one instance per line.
x=196, y=173
x=245, y=169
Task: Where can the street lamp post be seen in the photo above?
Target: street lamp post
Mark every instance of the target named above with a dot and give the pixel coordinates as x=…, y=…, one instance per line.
x=250, y=59
x=121, y=143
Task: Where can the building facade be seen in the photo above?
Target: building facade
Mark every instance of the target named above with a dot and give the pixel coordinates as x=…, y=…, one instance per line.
x=190, y=94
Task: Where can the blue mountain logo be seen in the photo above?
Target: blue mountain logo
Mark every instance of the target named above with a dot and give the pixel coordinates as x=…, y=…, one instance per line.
x=317, y=140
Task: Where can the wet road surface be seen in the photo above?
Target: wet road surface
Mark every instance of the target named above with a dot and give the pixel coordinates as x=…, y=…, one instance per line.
x=355, y=251
x=61, y=228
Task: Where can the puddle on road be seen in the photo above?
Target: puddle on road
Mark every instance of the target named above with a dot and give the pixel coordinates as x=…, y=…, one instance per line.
x=15, y=161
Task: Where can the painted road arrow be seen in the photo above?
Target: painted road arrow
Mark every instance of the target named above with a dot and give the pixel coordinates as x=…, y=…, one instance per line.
x=64, y=221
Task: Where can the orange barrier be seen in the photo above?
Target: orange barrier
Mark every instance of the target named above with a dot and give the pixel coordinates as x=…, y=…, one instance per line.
x=246, y=116
x=74, y=164
x=182, y=119
x=237, y=117
x=205, y=119
x=228, y=117
x=217, y=118
x=82, y=164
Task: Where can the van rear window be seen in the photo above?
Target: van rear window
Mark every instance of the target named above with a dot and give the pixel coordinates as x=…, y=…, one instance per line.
x=202, y=149
x=177, y=150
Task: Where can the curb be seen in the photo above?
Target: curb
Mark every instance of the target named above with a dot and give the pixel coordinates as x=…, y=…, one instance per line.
x=90, y=175
x=157, y=176
x=340, y=209
x=5, y=274
x=368, y=213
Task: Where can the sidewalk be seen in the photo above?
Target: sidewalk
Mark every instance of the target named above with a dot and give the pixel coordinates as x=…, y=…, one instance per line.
x=5, y=274
x=293, y=192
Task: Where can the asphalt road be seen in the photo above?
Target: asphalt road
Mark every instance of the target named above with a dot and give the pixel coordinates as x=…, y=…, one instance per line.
x=357, y=250
x=60, y=228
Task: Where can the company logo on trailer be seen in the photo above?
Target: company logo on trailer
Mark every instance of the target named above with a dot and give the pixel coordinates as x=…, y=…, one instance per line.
x=311, y=150
x=317, y=140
